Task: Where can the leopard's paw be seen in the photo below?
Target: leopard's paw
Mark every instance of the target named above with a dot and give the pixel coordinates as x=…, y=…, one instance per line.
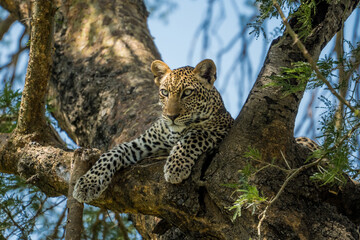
x=88, y=188
x=175, y=172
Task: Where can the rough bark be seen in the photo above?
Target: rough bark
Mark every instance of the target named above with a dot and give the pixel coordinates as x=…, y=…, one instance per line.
x=32, y=109
x=102, y=87
x=103, y=93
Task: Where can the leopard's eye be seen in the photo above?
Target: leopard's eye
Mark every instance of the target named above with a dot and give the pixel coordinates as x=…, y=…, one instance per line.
x=164, y=92
x=187, y=92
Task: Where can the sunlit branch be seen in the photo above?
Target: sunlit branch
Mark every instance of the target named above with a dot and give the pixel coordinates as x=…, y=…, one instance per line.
x=32, y=108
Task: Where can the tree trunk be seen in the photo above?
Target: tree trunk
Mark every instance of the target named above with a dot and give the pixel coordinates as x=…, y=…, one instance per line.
x=103, y=94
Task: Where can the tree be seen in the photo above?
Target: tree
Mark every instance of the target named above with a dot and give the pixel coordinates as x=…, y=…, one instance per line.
x=103, y=93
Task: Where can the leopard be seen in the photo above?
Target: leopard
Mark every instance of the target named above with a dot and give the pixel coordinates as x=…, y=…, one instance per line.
x=307, y=143
x=193, y=122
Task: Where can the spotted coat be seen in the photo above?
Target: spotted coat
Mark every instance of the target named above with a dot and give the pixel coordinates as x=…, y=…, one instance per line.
x=307, y=142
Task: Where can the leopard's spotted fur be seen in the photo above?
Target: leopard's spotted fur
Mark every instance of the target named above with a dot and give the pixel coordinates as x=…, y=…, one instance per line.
x=307, y=142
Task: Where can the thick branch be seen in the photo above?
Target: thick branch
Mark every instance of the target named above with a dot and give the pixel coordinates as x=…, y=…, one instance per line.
x=142, y=189
x=32, y=109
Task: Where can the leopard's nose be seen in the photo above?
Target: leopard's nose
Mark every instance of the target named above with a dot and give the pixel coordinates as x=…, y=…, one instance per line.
x=173, y=117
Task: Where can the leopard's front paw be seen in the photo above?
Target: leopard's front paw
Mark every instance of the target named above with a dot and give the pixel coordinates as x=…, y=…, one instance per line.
x=176, y=172
x=88, y=188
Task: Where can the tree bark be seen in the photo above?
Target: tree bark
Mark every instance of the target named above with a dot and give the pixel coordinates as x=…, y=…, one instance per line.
x=104, y=94
x=102, y=87
x=32, y=109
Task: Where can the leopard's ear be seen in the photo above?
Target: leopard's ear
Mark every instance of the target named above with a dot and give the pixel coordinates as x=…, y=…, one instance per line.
x=205, y=71
x=159, y=69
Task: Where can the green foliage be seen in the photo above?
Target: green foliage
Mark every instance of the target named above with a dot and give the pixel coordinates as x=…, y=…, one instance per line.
x=9, y=108
x=250, y=196
x=340, y=144
x=340, y=141
x=304, y=14
x=253, y=153
x=302, y=11
x=292, y=79
x=23, y=208
x=300, y=76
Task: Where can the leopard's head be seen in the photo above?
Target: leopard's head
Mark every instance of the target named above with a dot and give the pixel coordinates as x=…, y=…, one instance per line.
x=187, y=95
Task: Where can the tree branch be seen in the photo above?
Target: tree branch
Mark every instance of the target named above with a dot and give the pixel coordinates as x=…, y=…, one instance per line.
x=122, y=227
x=32, y=108
x=5, y=25
x=18, y=9
x=343, y=81
x=138, y=189
x=311, y=61
x=80, y=164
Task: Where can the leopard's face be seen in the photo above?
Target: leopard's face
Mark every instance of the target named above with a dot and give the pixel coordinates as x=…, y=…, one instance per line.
x=186, y=94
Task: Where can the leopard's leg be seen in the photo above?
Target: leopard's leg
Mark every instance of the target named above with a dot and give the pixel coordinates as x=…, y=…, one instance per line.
x=96, y=180
x=184, y=154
